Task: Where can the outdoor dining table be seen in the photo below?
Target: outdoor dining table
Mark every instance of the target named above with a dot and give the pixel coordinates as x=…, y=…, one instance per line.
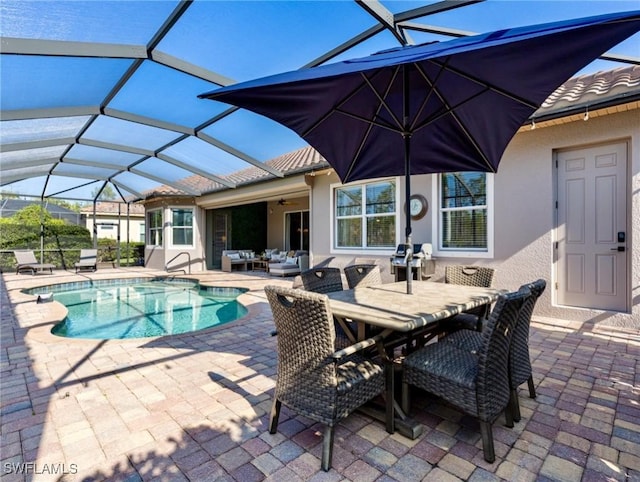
x=394, y=313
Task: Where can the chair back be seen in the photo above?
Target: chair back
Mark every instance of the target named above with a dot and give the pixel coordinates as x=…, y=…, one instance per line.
x=25, y=257
x=493, y=387
x=363, y=275
x=88, y=255
x=469, y=275
x=519, y=360
x=306, y=379
x=322, y=280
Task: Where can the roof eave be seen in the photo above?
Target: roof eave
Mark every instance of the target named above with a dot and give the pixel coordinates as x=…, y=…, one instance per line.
x=580, y=108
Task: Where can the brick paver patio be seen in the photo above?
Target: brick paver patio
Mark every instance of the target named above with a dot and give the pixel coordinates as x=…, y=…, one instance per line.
x=195, y=407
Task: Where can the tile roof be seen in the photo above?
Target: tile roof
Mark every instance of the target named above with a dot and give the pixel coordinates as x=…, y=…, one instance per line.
x=108, y=207
x=595, y=90
x=612, y=86
x=301, y=160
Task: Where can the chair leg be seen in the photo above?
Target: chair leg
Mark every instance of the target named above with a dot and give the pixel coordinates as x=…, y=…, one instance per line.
x=508, y=414
x=487, y=442
x=532, y=388
x=275, y=414
x=406, y=402
x=327, y=448
x=515, y=405
x=389, y=395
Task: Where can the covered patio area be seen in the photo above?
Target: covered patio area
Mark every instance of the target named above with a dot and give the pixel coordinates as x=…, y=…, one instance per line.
x=196, y=406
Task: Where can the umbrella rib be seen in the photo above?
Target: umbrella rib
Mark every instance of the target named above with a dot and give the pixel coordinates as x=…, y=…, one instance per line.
x=432, y=85
x=387, y=126
x=448, y=108
x=372, y=123
x=452, y=110
x=494, y=88
x=345, y=99
x=382, y=99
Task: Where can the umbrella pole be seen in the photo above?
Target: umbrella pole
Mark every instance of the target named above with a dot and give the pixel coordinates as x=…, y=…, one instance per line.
x=406, y=135
x=407, y=208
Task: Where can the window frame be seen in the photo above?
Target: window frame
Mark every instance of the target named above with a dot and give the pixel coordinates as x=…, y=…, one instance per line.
x=150, y=230
x=362, y=249
x=437, y=224
x=171, y=227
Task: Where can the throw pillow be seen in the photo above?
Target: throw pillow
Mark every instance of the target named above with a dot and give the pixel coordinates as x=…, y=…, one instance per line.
x=291, y=260
x=234, y=255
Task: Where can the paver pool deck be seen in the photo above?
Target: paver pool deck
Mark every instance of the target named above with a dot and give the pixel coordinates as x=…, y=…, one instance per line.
x=196, y=406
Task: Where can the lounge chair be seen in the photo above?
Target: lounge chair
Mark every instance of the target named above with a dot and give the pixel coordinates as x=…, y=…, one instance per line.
x=88, y=260
x=26, y=260
x=292, y=265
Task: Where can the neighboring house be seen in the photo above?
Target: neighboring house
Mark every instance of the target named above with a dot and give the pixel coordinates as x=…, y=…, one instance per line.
x=113, y=221
x=564, y=206
x=8, y=207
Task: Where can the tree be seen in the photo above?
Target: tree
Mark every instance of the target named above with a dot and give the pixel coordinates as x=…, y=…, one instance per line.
x=8, y=195
x=75, y=206
x=31, y=215
x=107, y=194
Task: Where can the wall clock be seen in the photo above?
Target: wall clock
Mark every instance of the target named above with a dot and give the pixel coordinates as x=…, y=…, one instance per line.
x=418, y=206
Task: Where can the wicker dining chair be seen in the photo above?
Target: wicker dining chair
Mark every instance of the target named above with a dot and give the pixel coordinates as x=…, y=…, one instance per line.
x=322, y=280
x=476, y=383
x=313, y=379
x=480, y=276
x=327, y=280
x=519, y=359
x=363, y=275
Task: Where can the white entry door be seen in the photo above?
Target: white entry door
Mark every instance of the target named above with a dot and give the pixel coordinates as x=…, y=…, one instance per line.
x=592, y=222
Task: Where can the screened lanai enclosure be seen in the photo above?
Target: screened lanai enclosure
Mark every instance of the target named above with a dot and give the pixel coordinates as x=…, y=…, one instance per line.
x=99, y=99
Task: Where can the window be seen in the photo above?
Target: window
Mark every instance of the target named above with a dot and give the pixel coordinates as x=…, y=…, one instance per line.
x=142, y=232
x=365, y=215
x=154, y=220
x=182, y=226
x=465, y=217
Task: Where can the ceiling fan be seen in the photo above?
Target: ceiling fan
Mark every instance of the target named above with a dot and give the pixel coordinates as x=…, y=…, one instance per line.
x=284, y=202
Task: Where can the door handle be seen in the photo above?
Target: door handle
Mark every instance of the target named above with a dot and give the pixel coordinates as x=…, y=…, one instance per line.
x=619, y=248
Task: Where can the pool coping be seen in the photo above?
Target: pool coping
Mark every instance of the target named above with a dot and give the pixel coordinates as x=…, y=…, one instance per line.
x=53, y=312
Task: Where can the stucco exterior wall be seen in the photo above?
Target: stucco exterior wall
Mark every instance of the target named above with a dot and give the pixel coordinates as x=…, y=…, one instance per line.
x=136, y=227
x=277, y=213
x=525, y=215
x=188, y=258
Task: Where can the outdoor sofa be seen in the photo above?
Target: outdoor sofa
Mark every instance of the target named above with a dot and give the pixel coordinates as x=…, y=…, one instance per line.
x=236, y=259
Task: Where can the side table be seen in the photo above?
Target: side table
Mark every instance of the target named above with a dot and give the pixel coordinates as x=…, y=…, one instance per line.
x=261, y=265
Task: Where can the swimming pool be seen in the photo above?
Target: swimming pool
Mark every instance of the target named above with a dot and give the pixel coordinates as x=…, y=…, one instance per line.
x=141, y=308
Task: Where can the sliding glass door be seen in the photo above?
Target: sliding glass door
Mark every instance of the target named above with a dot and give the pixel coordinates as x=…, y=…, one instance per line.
x=297, y=230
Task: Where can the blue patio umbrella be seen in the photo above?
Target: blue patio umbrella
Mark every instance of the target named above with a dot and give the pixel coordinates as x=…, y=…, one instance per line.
x=430, y=108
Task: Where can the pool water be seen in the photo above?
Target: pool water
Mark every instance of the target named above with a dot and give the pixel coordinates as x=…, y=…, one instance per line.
x=145, y=309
